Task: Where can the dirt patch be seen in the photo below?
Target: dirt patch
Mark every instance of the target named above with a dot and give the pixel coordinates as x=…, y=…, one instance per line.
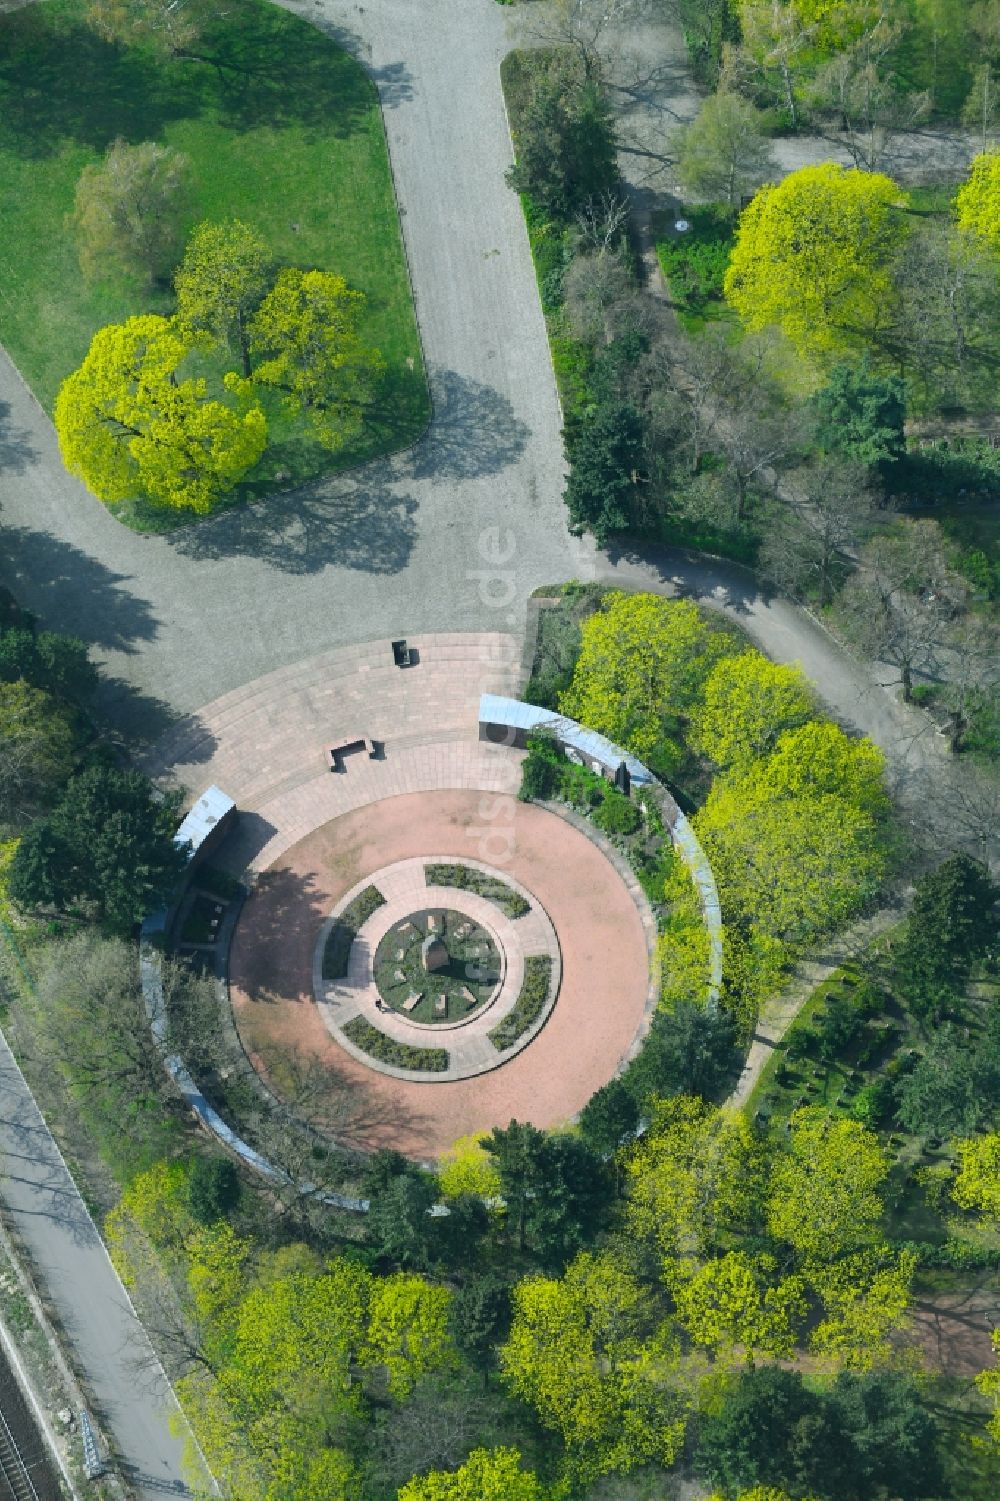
x=605, y=964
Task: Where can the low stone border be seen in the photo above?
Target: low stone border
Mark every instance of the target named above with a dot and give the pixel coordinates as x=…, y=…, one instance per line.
x=467, y=1039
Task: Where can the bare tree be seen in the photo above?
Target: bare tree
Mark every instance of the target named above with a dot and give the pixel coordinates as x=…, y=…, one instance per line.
x=823, y=513
x=899, y=606
x=946, y=321
x=973, y=676
x=981, y=110
x=602, y=299
x=774, y=52
x=858, y=100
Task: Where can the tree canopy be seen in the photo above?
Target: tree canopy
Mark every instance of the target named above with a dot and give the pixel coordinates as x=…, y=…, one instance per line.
x=223, y=277
x=306, y=334
x=746, y=703
x=813, y=255
x=127, y=210
x=824, y=1189
x=723, y=153
x=487, y=1475
x=643, y=661
x=129, y=427
x=860, y=414
x=977, y=202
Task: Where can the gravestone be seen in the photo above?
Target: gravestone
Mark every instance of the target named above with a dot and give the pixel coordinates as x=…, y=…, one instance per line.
x=433, y=953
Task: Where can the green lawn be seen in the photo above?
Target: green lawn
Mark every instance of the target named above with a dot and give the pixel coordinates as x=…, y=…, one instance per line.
x=283, y=131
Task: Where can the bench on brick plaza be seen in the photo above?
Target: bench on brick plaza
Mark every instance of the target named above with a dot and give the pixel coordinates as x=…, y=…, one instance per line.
x=335, y=755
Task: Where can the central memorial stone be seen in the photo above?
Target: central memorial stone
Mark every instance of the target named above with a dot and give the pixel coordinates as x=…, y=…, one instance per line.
x=433, y=954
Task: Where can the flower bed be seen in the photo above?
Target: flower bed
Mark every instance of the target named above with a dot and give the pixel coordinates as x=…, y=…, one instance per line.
x=466, y=878
x=387, y=1050
x=345, y=930
x=529, y=1004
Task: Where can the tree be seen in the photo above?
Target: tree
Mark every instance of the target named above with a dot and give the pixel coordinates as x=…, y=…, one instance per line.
x=813, y=255
x=860, y=415
x=695, y=1180
x=977, y=1185
x=306, y=331
x=775, y=51
x=952, y=923
x=952, y=1090
x=824, y=1189
x=768, y=1430
x=487, y=1475
x=127, y=210
x=128, y=427
x=734, y=1302
x=172, y=26
x=606, y=448
x=988, y=1383
x=689, y=1050
x=642, y=663
x=108, y=842
x=213, y=1188
x=222, y=279
x=467, y=1167
x=945, y=319
x=563, y=136
x=575, y=1355
x=977, y=202
x=981, y=109
x=57, y=664
x=865, y=1297
x=609, y=1117
x=899, y=605
x=860, y=101
x=38, y=740
x=481, y=1313
x=824, y=513
x=819, y=759
x=723, y=153
x=895, y=1439
x=746, y=703
x=557, y=1189
x=408, y=1330
x=398, y=1225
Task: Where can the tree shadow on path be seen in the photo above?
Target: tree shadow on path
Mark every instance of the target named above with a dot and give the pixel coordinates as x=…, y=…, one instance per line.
x=16, y=449
x=349, y=522
x=474, y=432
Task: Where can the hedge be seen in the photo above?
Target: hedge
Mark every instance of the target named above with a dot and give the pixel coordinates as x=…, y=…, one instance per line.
x=400, y=1054
x=529, y=1004
x=345, y=930
x=466, y=878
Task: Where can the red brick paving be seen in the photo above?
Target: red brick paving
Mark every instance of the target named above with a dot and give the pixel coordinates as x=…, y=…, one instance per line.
x=605, y=974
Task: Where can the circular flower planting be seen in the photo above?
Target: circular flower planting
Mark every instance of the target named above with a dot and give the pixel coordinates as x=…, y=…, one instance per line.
x=437, y=966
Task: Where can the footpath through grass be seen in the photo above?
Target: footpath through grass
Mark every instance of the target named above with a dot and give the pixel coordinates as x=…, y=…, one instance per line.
x=283, y=130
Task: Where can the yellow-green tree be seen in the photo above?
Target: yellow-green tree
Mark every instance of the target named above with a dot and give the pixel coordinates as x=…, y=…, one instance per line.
x=864, y=1297
x=736, y=1302
x=127, y=210
x=576, y=1356
x=306, y=335
x=128, y=426
x=818, y=758
x=467, y=1168
x=977, y=202
x=407, y=1329
x=223, y=277
x=696, y=1178
x=745, y=705
x=642, y=662
x=824, y=1189
x=977, y=1185
x=787, y=867
x=487, y=1475
x=988, y=1383
x=38, y=745
x=813, y=255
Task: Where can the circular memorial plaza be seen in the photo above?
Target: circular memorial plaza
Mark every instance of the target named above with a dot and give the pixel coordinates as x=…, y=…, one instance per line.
x=450, y=960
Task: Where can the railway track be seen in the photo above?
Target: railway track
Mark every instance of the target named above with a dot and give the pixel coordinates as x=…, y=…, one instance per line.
x=13, y=1468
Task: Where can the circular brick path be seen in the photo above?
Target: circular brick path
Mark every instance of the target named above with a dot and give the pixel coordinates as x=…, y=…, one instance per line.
x=602, y=997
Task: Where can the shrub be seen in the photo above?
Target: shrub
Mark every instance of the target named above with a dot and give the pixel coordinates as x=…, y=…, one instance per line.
x=466, y=878
x=345, y=930
x=616, y=814
x=213, y=1189
x=529, y=1004
x=398, y=1054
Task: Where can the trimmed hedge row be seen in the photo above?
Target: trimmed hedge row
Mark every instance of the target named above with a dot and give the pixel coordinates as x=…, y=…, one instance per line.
x=466, y=878
x=529, y=1004
x=345, y=930
x=400, y=1054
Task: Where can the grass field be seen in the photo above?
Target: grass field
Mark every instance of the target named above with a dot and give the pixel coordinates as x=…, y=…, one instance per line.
x=282, y=129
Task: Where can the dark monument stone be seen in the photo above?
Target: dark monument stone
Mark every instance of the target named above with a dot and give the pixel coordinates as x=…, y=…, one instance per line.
x=433, y=953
